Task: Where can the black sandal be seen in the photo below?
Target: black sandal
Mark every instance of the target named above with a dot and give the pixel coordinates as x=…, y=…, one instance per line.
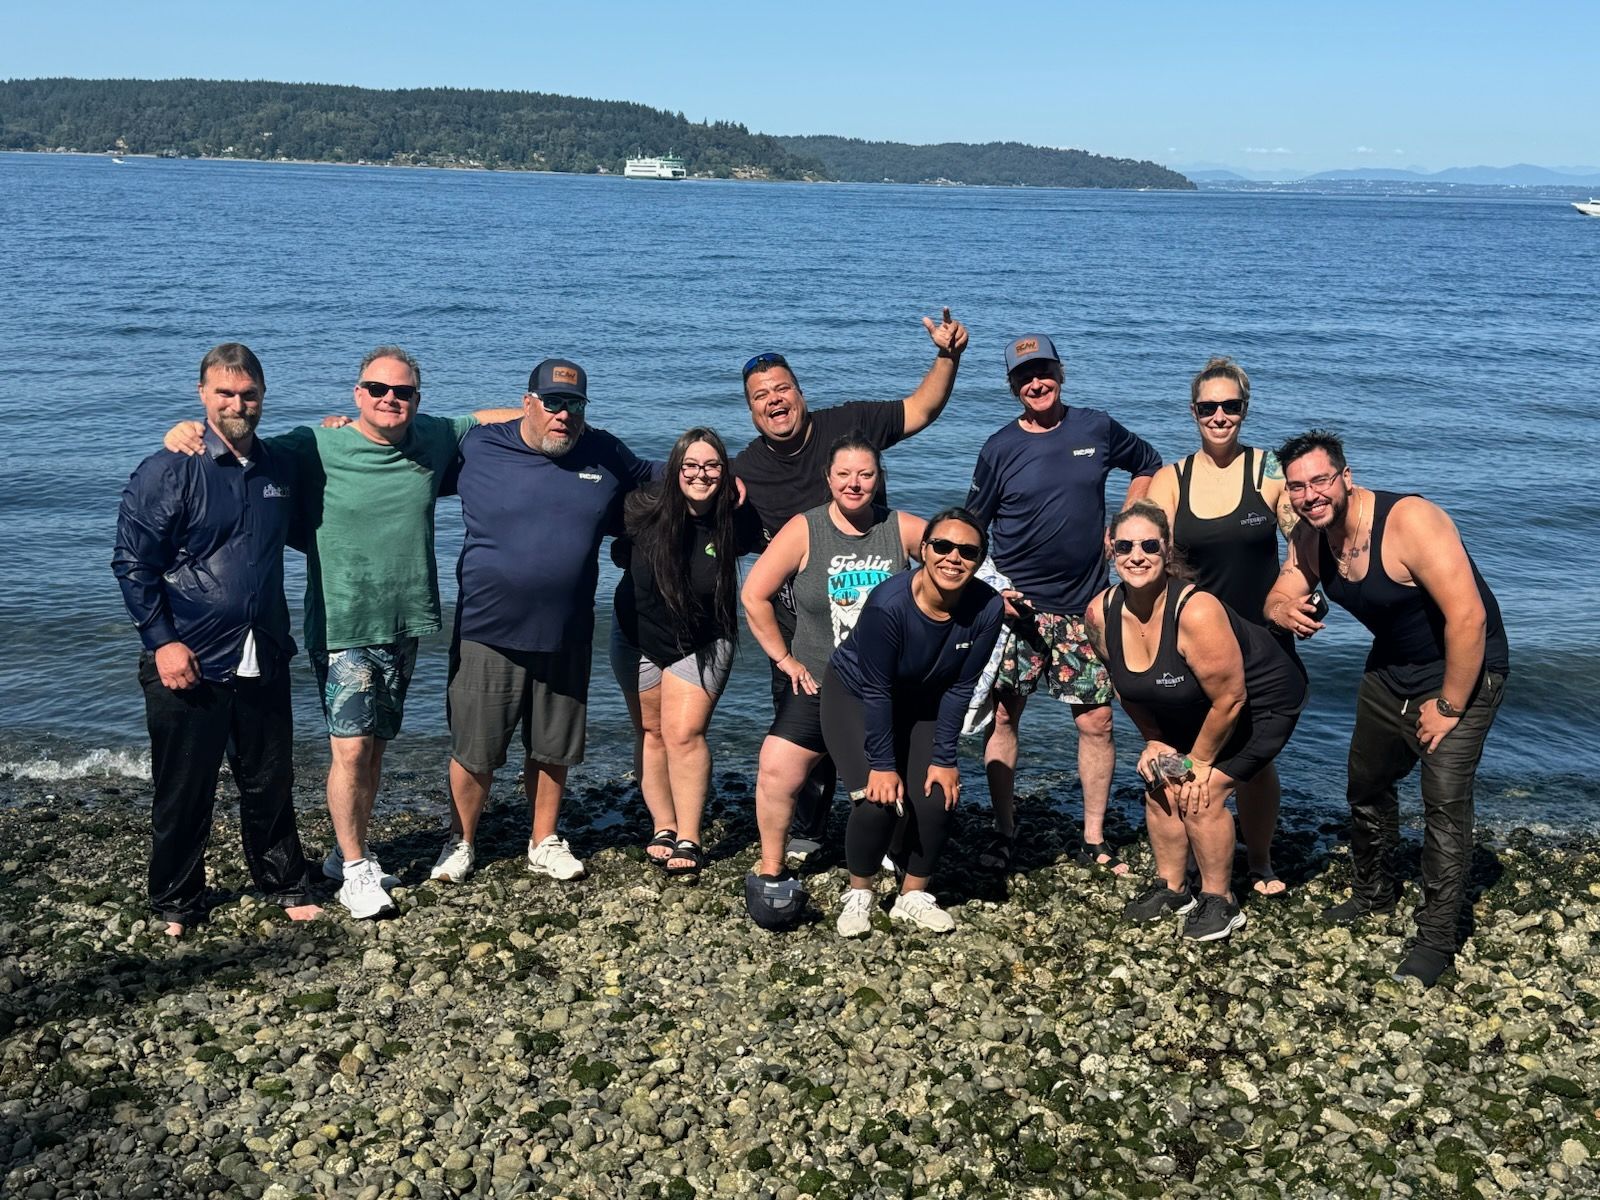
x=1090, y=853
x=687, y=850
x=997, y=855
x=665, y=839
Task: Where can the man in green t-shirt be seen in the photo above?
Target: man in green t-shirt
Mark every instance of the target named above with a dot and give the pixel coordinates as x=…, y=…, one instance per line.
x=366, y=502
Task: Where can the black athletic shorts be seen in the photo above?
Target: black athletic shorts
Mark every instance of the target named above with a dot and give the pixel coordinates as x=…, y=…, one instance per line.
x=799, y=720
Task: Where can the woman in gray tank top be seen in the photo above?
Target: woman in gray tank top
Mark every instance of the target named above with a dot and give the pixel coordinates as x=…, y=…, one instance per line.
x=831, y=558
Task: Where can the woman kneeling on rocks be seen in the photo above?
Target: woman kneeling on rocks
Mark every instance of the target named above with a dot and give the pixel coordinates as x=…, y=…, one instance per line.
x=1215, y=696
x=892, y=704
x=673, y=637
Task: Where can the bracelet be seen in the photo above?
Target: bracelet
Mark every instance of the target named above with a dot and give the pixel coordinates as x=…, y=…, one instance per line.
x=778, y=662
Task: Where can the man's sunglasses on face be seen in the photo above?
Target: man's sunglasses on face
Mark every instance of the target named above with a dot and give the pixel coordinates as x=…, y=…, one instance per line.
x=403, y=392
x=556, y=405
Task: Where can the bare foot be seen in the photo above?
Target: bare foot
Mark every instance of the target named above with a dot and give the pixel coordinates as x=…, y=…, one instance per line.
x=303, y=912
x=174, y=930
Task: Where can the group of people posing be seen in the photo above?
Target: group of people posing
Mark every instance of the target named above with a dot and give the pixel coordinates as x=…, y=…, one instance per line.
x=887, y=634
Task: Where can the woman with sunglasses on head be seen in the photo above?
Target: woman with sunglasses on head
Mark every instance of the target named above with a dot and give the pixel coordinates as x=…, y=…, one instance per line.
x=832, y=557
x=1226, y=504
x=672, y=640
x=892, y=705
x=1216, y=698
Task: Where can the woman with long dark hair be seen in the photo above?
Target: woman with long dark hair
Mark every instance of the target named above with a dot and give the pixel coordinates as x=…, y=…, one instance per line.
x=673, y=637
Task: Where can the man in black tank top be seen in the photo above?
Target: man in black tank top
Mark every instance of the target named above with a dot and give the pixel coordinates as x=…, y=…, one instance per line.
x=1433, y=684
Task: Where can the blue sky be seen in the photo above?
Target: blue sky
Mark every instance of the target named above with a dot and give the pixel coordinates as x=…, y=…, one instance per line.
x=1254, y=85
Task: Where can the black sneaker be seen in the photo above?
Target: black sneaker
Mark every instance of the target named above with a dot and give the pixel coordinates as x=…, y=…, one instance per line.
x=1214, y=918
x=1354, y=909
x=1155, y=902
x=1424, y=963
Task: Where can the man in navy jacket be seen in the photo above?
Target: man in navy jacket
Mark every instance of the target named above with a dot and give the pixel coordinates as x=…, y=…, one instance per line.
x=199, y=556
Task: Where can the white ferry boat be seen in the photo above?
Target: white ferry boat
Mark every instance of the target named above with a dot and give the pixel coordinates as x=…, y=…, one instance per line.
x=668, y=167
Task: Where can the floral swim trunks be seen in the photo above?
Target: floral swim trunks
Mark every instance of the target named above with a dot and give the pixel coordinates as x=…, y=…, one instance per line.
x=364, y=688
x=1054, y=650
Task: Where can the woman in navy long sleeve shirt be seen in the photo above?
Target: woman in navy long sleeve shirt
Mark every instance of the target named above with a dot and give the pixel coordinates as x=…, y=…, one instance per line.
x=892, y=706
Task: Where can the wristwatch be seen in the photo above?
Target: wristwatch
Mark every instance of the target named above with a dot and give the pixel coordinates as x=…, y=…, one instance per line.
x=1446, y=709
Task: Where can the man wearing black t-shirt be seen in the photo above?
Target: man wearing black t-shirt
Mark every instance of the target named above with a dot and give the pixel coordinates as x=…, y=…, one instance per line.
x=782, y=471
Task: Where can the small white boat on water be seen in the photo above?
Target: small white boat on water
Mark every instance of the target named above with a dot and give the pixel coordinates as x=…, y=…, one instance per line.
x=1589, y=209
x=120, y=161
x=666, y=167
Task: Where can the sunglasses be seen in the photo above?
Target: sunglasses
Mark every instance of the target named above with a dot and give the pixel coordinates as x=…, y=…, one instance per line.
x=556, y=405
x=1208, y=408
x=403, y=392
x=1123, y=546
x=762, y=361
x=943, y=546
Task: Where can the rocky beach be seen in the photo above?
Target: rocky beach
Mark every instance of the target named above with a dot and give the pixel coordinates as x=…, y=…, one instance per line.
x=634, y=1035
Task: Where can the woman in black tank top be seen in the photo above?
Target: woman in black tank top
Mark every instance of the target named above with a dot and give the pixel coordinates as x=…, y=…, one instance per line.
x=1233, y=552
x=1216, y=699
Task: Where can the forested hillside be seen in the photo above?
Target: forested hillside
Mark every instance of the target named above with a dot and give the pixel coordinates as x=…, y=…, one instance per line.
x=1005, y=164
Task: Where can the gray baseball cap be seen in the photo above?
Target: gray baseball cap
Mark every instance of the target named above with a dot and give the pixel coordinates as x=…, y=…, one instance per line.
x=1027, y=348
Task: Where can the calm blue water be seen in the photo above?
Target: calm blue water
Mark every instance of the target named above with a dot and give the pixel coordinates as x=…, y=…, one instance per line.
x=1452, y=341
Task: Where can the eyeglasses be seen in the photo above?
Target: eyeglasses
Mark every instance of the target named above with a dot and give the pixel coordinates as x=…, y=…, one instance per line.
x=1208, y=408
x=1317, y=483
x=556, y=405
x=403, y=392
x=711, y=470
x=943, y=546
x=1122, y=547
x=762, y=361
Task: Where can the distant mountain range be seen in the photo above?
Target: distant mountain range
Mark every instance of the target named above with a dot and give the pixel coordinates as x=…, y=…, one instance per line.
x=1519, y=175
x=470, y=127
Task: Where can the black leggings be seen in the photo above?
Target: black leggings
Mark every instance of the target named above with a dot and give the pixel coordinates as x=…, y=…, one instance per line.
x=872, y=826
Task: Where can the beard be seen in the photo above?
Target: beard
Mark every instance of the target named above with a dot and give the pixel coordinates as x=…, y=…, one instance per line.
x=555, y=445
x=237, y=429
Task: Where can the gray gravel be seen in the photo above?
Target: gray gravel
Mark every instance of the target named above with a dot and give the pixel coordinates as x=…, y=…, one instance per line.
x=631, y=1035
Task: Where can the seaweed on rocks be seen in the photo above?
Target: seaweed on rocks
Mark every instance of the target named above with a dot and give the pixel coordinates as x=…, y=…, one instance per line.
x=623, y=1035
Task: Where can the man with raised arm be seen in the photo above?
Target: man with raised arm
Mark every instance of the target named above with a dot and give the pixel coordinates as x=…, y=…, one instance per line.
x=1434, y=678
x=367, y=497
x=537, y=496
x=199, y=557
x=782, y=470
x=1040, y=486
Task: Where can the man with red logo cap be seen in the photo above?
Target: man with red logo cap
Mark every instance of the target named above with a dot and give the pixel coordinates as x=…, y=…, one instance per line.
x=1040, y=485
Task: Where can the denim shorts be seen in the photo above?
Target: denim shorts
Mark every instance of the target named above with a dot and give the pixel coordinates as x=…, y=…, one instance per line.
x=363, y=688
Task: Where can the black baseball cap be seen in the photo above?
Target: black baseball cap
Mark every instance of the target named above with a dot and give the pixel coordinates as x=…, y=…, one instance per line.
x=559, y=377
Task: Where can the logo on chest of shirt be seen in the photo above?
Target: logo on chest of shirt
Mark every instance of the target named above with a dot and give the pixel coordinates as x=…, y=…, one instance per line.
x=273, y=491
x=711, y=549
x=1083, y=452
x=1254, y=519
x=591, y=476
x=1169, y=680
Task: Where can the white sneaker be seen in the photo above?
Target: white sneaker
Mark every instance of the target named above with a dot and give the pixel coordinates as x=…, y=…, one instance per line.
x=922, y=910
x=362, y=891
x=333, y=868
x=455, y=861
x=855, y=918
x=553, y=857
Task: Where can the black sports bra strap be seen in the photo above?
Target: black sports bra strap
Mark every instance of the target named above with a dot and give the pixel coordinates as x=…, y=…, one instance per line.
x=1185, y=591
x=1249, y=480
